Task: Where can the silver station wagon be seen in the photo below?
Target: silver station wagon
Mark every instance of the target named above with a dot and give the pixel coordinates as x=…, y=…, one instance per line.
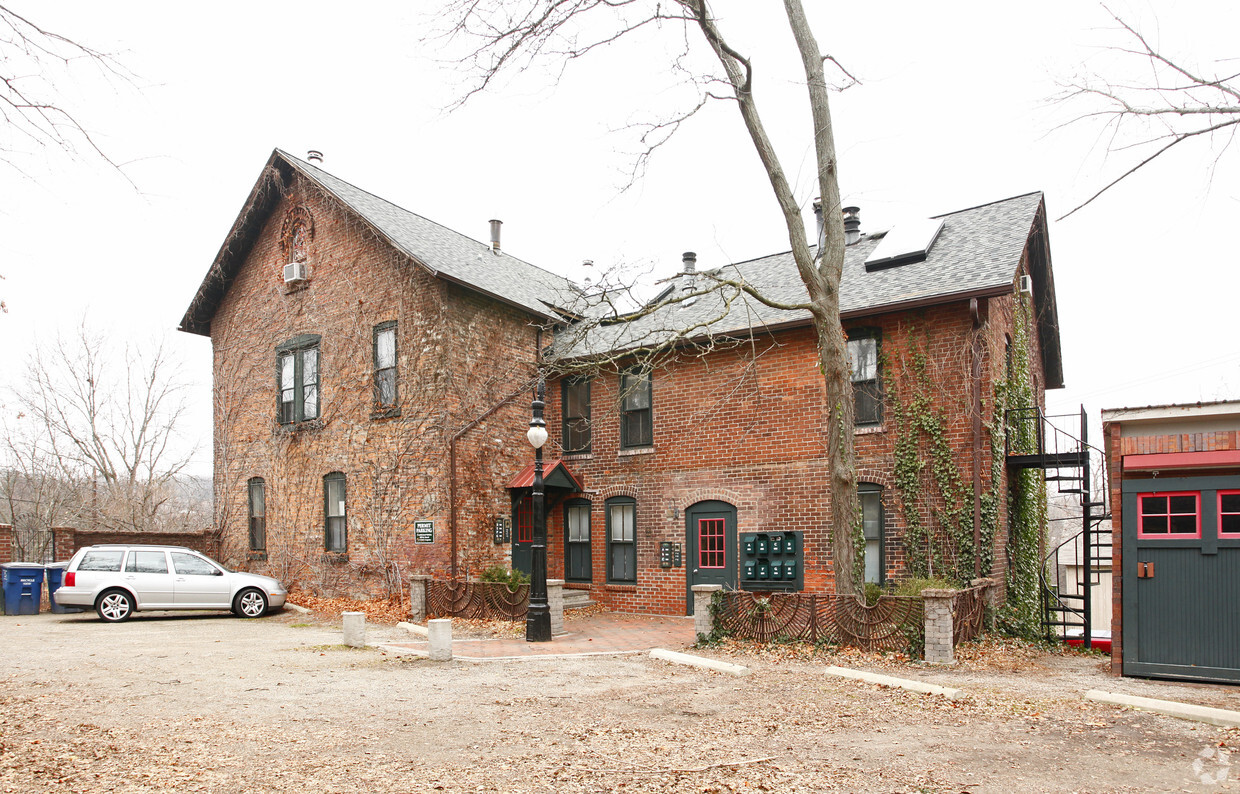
x=117, y=581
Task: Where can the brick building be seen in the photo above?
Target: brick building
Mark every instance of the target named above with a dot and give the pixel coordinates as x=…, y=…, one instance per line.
x=373, y=372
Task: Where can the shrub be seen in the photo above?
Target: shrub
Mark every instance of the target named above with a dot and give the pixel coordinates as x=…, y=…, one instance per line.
x=913, y=587
x=873, y=592
x=501, y=575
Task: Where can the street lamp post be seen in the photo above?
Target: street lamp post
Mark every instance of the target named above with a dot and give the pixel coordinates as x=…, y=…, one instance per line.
x=538, y=617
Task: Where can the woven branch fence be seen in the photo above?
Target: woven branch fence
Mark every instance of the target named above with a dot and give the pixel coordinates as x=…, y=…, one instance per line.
x=894, y=623
x=820, y=618
x=476, y=600
x=968, y=613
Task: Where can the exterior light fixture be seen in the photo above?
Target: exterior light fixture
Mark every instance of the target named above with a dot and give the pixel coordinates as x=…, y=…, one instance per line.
x=538, y=616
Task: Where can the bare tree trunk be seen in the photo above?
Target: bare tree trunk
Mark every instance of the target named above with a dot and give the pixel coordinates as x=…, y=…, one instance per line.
x=509, y=34
x=821, y=277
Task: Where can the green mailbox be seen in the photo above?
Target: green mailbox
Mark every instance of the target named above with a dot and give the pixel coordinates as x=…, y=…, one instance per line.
x=770, y=561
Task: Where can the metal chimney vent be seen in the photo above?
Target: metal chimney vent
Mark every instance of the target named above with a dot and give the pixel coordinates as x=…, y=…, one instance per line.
x=314, y=156
x=495, y=234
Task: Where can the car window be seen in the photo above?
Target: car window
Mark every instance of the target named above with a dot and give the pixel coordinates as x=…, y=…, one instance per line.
x=101, y=561
x=194, y=566
x=146, y=562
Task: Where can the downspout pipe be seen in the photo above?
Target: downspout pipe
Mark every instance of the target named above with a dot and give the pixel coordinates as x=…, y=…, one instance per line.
x=977, y=311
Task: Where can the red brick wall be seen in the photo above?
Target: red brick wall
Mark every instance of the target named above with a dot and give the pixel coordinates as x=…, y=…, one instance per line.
x=66, y=540
x=458, y=354
x=745, y=427
x=6, y=543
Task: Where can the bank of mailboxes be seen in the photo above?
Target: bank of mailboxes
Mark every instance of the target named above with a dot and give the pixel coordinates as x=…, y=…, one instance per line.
x=771, y=561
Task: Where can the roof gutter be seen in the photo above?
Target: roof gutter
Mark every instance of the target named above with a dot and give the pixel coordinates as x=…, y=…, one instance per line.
x=808, y=321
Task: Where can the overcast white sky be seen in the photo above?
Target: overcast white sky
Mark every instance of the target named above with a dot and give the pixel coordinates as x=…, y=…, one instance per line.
x=952, y=112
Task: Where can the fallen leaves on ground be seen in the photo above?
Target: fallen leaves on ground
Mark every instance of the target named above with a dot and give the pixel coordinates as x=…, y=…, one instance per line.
x=378, y=610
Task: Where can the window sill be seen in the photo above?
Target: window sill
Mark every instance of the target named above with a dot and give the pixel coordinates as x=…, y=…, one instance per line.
x=868, y=430
x=577, y=456
x=576, y=585
x=300, y=286
x=620, y=588
x=293, y=428
x=256, y=556
x=626, y=453
x=335, y=557
x=385, y=413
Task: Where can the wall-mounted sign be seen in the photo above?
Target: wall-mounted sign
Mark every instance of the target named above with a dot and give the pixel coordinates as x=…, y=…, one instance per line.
x=423, y=531
x=501, y=530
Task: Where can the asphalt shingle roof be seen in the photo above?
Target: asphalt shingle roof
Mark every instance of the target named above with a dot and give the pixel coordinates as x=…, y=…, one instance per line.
x=979, y=249
x=448, y=253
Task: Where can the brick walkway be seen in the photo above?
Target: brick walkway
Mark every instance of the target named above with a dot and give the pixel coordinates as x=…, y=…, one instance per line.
x=601, y=633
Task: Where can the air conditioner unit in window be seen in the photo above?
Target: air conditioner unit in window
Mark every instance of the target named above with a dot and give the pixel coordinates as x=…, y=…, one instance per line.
x=1026, y=285
x=294, y=272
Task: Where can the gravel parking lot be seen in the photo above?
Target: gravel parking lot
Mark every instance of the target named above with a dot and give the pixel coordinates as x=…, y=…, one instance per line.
x=203, y=702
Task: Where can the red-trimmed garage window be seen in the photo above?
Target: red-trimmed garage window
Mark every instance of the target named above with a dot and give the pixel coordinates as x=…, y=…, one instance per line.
x=1229, y=514
x=1169, y=515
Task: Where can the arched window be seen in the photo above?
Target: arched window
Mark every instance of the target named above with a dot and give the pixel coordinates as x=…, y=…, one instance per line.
x=622, y=539
x=870, y=496
x=335, y=527
x=258, y=514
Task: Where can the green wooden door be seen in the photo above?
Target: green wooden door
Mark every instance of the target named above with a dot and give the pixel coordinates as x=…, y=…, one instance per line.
x=710, y=546
x=1181, y=578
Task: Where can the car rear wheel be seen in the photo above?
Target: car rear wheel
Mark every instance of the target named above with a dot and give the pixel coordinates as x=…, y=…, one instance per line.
x=250, y=603
x=114, y=606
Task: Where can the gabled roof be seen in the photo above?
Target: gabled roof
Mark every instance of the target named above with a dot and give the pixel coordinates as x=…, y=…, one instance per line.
x=445, y=253
x=977, y=254
x=557, y=475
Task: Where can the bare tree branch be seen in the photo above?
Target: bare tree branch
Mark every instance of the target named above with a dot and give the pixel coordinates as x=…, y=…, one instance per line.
x=505, y=36
x=32, y=60
x=110, y=420
x=1174, y=99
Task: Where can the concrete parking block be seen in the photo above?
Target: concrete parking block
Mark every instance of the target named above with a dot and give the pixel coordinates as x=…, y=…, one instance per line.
x=699, y=661
x=1185, y=711
x=901, y=683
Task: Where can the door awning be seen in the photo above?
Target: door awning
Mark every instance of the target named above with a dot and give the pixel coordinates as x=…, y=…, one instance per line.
x=555, y=475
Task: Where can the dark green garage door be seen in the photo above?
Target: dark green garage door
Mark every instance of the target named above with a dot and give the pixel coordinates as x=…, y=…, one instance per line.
x=1181, y=573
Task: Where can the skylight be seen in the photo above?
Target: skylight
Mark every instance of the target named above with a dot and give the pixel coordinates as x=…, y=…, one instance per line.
x=907, y=242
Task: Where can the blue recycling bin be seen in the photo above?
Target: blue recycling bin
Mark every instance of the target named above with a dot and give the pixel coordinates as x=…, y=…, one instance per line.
x=55, y=574
x=23, y=587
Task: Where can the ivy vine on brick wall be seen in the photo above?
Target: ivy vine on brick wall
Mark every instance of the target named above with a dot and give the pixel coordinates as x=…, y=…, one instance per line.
x=927, y=475
x=1021, y=613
